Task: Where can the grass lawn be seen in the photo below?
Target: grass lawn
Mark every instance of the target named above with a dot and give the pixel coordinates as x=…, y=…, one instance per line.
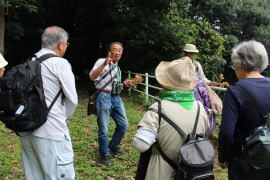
x=84, y=136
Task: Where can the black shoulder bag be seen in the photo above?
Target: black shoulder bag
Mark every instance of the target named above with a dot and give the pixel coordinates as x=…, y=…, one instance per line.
x=91, y=107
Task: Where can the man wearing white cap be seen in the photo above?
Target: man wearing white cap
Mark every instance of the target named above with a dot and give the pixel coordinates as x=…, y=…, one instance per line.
x=191, y=50
x=179, y=105
x=3, y=63
x=203, y=93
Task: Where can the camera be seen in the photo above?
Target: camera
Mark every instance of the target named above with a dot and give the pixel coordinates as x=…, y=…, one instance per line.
x=117, y=87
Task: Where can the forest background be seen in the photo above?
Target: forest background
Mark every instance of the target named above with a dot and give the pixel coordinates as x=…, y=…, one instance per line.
x=151, y=30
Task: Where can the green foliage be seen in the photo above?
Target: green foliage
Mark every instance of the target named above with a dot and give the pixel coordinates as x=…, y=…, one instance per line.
x=15, y=9
x=17, y=4
x=237, y=20
x=209, y=42
x=151, y=31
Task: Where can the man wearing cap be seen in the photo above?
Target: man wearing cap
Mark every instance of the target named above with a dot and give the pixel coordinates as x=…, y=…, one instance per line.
x=190, y=51
x=203, y=93
x=3, y=63
x=179, y=105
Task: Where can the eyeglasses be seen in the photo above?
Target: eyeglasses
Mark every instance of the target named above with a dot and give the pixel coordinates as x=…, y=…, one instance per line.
x=234, y=67
x=66, y=43
x=117, y=50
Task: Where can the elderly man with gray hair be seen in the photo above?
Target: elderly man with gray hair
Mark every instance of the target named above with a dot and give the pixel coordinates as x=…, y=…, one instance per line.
x=240, y=116
x=47, y=152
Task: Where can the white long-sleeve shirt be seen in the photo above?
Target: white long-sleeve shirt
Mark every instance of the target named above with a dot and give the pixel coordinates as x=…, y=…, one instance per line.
x=57, y=74
x=199, y=72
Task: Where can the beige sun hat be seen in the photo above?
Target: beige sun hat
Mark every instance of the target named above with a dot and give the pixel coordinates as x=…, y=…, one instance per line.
x=3, y=62
x=176, y=75
x=190, y=48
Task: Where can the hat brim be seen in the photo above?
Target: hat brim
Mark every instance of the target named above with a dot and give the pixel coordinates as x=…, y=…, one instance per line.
x=164, y=81
x=194, y=51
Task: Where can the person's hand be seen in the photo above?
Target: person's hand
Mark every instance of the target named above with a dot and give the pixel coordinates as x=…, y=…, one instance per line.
x=223, y=165
x=108, y=59
x=215, y=101
x=217, y=108
x=127, y=82
x=213, y=83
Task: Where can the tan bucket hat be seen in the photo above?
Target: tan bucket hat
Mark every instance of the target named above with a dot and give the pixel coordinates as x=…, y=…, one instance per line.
x=190, y=48
x=3, y=62
x=176, y=75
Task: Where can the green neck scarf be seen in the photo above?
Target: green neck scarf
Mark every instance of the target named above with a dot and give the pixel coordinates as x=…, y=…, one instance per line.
x=185, y=99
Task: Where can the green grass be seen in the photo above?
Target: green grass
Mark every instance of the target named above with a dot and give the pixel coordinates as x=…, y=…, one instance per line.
x=83, y=130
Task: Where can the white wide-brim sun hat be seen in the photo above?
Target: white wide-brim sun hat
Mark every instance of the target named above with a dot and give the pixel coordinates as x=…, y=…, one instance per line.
x=176, y=75
x=3, y=62
x=190, y=48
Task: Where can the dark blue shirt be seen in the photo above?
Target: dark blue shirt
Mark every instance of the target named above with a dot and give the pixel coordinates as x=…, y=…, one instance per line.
x=240, y=117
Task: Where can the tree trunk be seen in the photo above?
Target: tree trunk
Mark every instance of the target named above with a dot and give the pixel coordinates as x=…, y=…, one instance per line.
x=2, y=29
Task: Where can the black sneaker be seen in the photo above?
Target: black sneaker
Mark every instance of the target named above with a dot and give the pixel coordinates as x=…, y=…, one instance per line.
x=105, y=160
x=115, y=150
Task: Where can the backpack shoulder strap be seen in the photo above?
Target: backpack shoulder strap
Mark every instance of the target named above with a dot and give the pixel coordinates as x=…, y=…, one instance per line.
x=178, y=129
x=45, y=57
x=164, y=156
x=193, y=134
x=54, y=100
x=41, y=59
x=161, y=115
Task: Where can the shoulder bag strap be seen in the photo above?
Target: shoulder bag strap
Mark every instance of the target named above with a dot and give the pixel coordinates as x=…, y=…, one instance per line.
x=251, y=99
x=107, y=83
x=106, y=74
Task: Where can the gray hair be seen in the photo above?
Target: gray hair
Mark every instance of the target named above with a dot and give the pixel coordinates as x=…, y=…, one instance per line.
x=111, y=44
x=52, y=36
x=250, y=56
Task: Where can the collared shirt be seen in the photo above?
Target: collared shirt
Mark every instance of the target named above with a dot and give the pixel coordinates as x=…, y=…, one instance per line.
x=112, y=70
x=57, y=74
x=199, y=72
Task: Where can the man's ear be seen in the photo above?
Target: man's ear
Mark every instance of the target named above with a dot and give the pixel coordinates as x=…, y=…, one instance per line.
x=61, y=46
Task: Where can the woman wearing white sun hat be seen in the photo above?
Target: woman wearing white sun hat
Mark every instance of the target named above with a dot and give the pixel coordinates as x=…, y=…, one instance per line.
x=3, y=63
x=179, y=105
